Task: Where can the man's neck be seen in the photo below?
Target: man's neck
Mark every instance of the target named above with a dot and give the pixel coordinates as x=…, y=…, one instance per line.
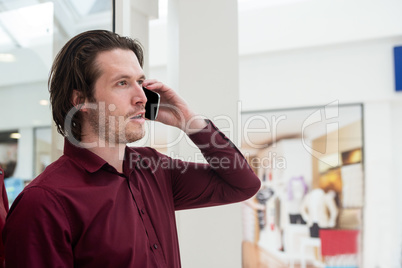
x=113, y=154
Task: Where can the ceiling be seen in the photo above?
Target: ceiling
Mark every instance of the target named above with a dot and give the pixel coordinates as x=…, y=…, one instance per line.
x=25, y=23
x=31, y=31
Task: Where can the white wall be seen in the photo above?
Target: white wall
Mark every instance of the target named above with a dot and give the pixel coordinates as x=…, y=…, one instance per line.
x=381, y=223
x=353, y=72
x=397, y=156
x=311, y=23
x=314, y=52
x=20, y=106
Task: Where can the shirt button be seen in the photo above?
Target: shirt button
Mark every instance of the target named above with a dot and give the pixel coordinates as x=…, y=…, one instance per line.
x=1, y=172
x=155, y=246
x=143, y=211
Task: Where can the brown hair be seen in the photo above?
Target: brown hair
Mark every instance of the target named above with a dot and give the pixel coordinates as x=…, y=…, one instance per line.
x=74, y=68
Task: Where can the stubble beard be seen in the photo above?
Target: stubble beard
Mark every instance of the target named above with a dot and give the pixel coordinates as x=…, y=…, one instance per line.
x=114, y=130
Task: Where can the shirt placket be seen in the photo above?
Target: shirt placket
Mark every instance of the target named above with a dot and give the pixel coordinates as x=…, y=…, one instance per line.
x=154, y=243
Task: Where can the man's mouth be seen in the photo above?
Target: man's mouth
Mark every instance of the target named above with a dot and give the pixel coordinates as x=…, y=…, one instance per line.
x=138, y=116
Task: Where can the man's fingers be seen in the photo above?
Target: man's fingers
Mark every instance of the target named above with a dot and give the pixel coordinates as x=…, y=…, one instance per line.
x=152, y=84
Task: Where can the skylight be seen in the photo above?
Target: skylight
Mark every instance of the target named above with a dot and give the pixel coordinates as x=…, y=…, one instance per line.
x=27, y=26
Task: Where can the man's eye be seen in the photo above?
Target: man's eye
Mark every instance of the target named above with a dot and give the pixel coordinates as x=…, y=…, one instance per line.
x=140, y=82
x=122, y=83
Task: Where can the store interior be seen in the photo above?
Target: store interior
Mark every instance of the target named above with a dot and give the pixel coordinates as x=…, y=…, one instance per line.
x=309, y=88
x=308, y=212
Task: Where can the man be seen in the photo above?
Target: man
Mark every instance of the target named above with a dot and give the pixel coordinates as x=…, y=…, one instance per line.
x=103, y=204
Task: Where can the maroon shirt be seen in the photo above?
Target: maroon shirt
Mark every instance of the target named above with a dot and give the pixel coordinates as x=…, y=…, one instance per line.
x=3, y=213
x=81, y=212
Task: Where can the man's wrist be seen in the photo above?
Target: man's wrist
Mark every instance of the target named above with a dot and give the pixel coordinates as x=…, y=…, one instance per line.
x=195, y=124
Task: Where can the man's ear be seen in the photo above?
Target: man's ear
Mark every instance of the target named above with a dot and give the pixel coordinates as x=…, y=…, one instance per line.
x=78, y=100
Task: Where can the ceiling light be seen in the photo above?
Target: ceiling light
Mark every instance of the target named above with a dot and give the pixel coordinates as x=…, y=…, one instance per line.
x=15, y=135
x=44, y=102
x=6, y=57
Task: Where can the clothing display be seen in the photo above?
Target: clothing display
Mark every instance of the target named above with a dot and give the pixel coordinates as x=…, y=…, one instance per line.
x=81, y=212
x=296, y=219
x=340, y=248
x=262, y=197
x=297, y=189
x=270, y=236
x=319, y=208
x=314, y=230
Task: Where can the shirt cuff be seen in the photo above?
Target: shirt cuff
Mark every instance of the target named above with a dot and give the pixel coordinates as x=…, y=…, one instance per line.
x=210, y=136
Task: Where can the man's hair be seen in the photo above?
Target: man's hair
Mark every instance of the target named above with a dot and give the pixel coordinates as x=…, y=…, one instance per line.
x=74, y=68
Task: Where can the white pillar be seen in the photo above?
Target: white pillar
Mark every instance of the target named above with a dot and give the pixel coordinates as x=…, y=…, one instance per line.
x=25, y=157
x=381, y=234
x=397, y=148
x=132, y=19
x=203, y=67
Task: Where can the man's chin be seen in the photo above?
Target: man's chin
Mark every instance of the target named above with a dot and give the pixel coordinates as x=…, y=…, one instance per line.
x=134, y=136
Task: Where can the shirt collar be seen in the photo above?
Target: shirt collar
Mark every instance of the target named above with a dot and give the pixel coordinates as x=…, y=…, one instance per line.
x=84, y=157
x=92, y=162
x=131, y=159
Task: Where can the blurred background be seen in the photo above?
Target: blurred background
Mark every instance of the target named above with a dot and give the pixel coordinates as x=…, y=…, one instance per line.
x=292, y=73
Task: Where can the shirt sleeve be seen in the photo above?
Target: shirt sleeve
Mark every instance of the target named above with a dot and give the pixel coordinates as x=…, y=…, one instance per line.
x=37, y=233
x=227, y=178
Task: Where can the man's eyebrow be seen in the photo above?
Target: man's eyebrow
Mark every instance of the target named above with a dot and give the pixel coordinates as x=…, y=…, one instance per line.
x=127, y=76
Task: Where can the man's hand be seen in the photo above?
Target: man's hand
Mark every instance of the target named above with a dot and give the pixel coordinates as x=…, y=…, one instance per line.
x=174, y=110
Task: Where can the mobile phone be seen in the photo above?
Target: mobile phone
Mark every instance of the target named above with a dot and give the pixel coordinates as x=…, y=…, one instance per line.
x=152, y=105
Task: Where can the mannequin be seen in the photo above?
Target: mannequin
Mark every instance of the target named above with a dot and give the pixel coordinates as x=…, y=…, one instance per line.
x=319, y=210
x=262, y=196
x=297, y=189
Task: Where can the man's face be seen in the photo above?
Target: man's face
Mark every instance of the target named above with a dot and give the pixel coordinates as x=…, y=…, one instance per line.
x=120, y=100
